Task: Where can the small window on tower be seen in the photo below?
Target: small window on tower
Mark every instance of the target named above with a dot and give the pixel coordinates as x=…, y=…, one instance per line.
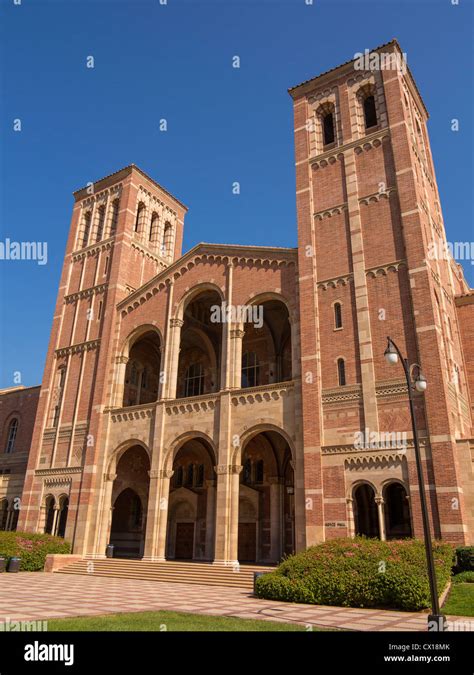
x=341, y=372
x=337, y=315
x=328, y=128
x=370, y=114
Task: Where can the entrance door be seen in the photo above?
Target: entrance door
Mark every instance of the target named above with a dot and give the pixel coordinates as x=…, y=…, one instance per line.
x=247, y=548
x=184, y=541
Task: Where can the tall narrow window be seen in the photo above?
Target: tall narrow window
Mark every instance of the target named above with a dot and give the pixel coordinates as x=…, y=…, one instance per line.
x=337, y=315
x=56, y=416
x=194, y=380
x=140, y=211
x=250, y=370
x=370, y=114
x=328, y=128
x=87, y=228
x=114, y=217
x=166, y=242
x=152, y=237
x=341, y=372
x=11, y=437
x=100, y=223
x=106, y=266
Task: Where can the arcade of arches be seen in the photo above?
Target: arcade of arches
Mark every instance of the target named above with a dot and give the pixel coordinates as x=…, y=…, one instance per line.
x=386, y=516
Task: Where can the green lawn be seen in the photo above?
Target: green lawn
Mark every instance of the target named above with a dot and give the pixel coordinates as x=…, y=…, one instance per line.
x=170, y=621
x=460, y=600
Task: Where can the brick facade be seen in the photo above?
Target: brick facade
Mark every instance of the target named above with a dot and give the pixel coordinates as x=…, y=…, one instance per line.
x=171, y=434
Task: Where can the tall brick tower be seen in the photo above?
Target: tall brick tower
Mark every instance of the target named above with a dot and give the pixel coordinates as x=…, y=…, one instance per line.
x=125, y=229
x=368, y=213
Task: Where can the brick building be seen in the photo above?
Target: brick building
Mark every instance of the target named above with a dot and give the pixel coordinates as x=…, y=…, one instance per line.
x=174, y=425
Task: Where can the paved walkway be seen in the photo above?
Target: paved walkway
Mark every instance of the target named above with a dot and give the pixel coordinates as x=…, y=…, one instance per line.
x=40, y=595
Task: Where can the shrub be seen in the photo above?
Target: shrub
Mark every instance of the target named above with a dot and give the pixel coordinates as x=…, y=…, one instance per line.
x=464, y=578
x=465, y=559
x=31, y=548
x=359, y=572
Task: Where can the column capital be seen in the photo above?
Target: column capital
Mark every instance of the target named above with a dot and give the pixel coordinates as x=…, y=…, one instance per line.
x=176, y=323
x=110, y=476
x=222, y=469
x=122, y=359
x=237, y=333
x=379, y=500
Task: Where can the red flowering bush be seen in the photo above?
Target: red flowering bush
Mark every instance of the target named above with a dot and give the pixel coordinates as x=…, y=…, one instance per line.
x=31, y=548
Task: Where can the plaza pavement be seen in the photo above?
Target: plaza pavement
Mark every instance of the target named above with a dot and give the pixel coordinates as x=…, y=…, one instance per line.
x=41, y=595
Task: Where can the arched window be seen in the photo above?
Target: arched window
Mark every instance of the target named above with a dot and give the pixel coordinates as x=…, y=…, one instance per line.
x=328, y=128
x=341, y=372
x=194, y=380
x=87, y=228
x=370, y=114
x=49, y=520
x=178, y=480
x=259, y=471
x=249, y=369
x=3, y=514
x=200, y=476
x=166, y=242
x=247, y=477
x=100, y=223
x=114, y=217
x=153, y=235
x=140, y=211
x=60, y=380
x=337, y=315
x=63, y=511
x=11, y=436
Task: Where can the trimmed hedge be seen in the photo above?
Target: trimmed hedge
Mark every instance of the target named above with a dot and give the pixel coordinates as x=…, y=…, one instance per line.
x=31, y=548
x=359, y=572
x=465, y=559
x=464, y=578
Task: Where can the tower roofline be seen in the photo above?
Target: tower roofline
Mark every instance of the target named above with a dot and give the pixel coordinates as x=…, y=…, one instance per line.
x=307, y=85
x=127, y=170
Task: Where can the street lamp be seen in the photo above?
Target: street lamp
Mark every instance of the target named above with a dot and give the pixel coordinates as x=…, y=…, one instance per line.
x=416, y=380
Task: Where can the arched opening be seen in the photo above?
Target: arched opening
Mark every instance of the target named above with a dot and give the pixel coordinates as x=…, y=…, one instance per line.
x=266, y=500
x=11, y=435
x=167, y=240
x=139, y=218
x=50, y=504
x=200, y=346
x=63, y=511
x=341, y=372
x=337, y=315
x=192, y=503
x=142, y=374
x=100, y=222
x=266, y=346
x=3, y=513
x=86, y=228
x=130, y=501
x=153, y=233
x=397, y=512
x=114, y=216
x=370, y=113
x=328, y=128
x=365, y=511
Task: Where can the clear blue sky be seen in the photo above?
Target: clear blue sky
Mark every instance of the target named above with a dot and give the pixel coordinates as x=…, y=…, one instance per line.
x=224, y=124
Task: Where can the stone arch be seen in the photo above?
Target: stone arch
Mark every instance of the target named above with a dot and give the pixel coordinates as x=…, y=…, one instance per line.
x=191, y=294
x=397, y=512
x=181, y=440
x=366, y=519
x=121, y=449
x=136, y=334
x=248, y=434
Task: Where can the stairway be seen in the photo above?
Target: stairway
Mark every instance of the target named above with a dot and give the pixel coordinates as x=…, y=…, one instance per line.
x=169, y=571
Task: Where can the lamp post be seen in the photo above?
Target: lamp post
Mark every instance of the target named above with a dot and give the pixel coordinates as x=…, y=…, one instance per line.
x=416, y=381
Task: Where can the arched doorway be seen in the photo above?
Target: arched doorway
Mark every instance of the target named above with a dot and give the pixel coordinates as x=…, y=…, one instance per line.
x=397, y=512
x=266, y=346
x=130, y=500
x=200, y=346
x=365, y=511
x=192, y=503
x=266, y=500
x=63, y=511
x=3, y=513
x=50, y=504
x=142, y=374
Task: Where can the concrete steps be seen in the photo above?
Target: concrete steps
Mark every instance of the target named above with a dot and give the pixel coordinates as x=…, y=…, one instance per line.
x=169, y=571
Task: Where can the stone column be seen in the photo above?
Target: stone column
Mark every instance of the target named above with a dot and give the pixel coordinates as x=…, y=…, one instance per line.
x=275, y=519
x=152, y=517
x=235, y=365
x=106, y=517
x=55, y=521
x=227, y=514
x=210, y=519
x=160, y=551
x=171, y=375
x=350, y=517
x=381, y=515
x=120, y=370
